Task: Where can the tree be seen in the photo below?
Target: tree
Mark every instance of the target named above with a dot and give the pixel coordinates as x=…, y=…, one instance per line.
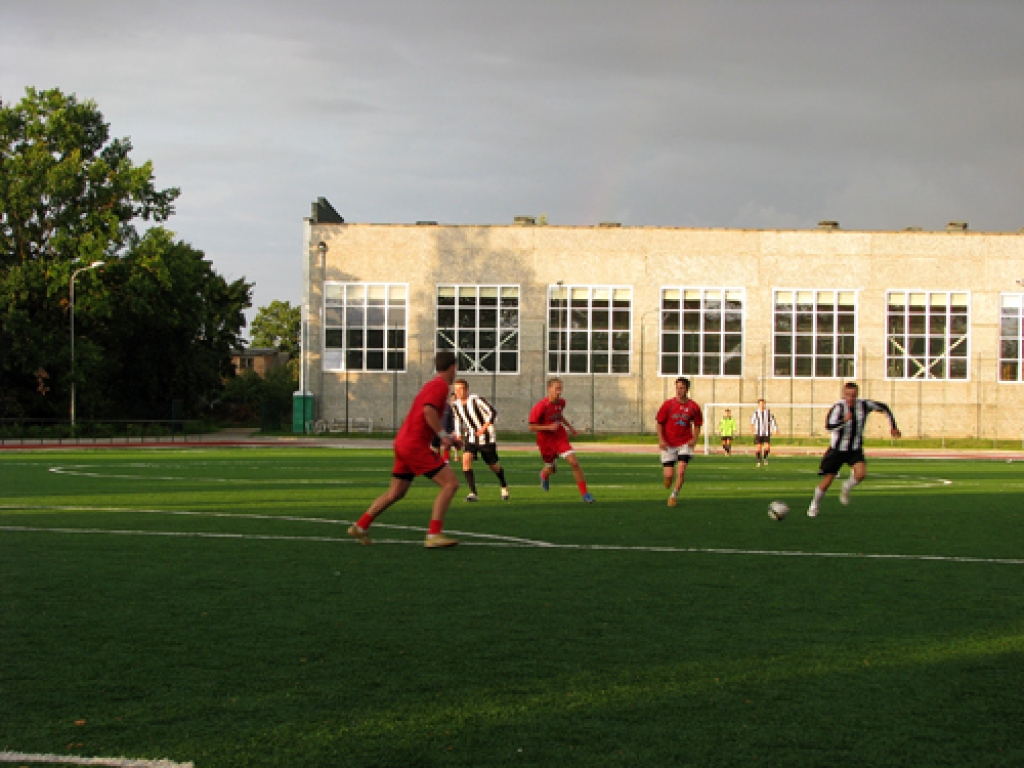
x=279, y=325
x=71, y=195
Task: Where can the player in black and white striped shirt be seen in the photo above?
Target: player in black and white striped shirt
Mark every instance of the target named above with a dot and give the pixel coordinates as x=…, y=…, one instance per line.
x=846, y=421
x=763, y=424
x=474, y=423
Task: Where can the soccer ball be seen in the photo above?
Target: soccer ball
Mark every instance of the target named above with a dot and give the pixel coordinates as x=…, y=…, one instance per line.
x=778, y=510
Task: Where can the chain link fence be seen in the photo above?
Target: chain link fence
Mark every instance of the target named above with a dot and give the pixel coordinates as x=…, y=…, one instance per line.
x=980, y=408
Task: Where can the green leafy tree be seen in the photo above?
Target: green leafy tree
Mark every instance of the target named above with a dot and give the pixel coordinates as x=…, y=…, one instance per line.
x=279, y=325
x=71, y=195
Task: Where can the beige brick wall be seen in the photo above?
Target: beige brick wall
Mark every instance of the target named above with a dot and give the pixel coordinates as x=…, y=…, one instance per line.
x=648, y=258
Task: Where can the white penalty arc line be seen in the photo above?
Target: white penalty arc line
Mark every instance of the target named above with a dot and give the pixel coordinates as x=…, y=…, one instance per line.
x=532, y=545
x=114, y=762
x=250, y=516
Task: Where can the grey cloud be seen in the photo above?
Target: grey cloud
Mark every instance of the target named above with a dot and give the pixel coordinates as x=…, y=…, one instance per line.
x=696, y=113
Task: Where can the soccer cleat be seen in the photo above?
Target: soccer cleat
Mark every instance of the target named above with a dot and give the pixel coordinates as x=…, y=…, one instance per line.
x=360, y=535
x=544, y=482
x=588, y=499
x=504, y=494
x=844, y=495
x=472, y=497
x=438, y=541
x=812, y=511
x=671, y=501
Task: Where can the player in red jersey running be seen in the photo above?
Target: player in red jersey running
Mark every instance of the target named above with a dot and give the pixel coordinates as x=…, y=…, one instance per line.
x=549, y=423
x=679, y=422
x=413, y=456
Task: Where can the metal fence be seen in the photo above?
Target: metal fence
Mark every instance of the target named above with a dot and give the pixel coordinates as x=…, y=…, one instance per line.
x=15, y=431
x=979, y=408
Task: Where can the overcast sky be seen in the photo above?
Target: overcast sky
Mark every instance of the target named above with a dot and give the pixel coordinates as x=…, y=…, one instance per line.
x=718, y=113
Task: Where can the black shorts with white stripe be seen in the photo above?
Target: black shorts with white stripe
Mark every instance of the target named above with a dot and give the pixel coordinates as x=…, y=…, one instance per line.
x=833, y=460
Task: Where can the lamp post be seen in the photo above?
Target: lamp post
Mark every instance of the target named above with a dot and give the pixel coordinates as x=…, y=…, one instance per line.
x=321, y=248
x=94, y=265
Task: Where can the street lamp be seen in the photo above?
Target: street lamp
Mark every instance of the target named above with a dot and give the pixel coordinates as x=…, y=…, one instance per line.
x=94, y=265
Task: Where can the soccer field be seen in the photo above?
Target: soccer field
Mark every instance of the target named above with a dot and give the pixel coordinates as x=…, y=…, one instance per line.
x=206, y=607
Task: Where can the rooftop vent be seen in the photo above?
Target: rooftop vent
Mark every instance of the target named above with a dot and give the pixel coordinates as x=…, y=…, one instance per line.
x=956, y=226
x=324, y=213
x=912, y=229
x=610, y=224
x=829, y=225
x=526, y=221
x=426, y=223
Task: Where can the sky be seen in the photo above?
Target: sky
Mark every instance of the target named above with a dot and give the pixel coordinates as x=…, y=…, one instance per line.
x=717, y=113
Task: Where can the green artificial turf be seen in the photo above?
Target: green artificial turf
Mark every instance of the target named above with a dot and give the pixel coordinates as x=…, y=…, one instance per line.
x=279, y=642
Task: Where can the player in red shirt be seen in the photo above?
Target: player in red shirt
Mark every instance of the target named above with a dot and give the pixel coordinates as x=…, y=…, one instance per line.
x=550, y=424
x=679, y=422
x=413, y=456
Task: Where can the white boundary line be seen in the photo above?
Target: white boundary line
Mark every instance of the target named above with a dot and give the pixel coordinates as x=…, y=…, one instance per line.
x=115, y=762
x=526, y=544
x=291, y=518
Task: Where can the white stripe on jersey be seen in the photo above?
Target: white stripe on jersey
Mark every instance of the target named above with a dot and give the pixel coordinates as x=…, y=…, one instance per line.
x=470, y=416
x=849, y=435
x=764, y=423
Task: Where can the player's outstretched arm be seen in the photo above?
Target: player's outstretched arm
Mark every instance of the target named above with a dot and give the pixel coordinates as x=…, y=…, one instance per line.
x=874, y=405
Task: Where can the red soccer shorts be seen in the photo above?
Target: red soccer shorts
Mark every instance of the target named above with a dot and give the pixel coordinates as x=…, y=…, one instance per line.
x=412, y=461
x=553, y=447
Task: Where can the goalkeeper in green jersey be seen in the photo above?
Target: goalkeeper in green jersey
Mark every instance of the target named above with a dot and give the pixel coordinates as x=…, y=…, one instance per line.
x=726, y=429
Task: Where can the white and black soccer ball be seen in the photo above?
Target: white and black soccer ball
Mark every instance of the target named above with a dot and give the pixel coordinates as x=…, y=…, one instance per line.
x=778, y=510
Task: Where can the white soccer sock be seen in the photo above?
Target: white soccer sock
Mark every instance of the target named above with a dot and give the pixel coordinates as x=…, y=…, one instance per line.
x=818, y=494
x=850, y=483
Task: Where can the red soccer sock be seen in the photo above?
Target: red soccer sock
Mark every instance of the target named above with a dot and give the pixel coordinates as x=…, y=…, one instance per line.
x=365, y=521
x=435, y=527
x=582, y=485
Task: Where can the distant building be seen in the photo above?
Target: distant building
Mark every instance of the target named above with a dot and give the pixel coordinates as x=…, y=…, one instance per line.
x=928, y=321
x=261, y=360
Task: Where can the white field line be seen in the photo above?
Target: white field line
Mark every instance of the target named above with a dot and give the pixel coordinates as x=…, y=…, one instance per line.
x=504, y=542
x=78, y=470
x=75, y=471
x=290, y=518
x=115, y=762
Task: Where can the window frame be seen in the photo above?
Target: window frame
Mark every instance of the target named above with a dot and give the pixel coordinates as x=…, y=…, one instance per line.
x=477, y=328
x=1000, y=360
x=794, y=332
x=927, y=335
x=568, y=331
x=387, y=349
x=724, y=290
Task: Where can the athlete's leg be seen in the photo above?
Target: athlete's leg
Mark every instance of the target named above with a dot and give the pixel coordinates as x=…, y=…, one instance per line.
x=449, y=485
x=680, y=476
x=666, y=471
x=577, y=473
x=467, y=471
x=395, y=492
x=860, y=471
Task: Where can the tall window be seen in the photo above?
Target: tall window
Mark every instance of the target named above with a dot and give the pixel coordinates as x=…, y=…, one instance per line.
x=815, y=334
x=927, y=335
x=1011, y=337
x=364, y=326
x=482, y=323
x=590, y=329
x=702, y=331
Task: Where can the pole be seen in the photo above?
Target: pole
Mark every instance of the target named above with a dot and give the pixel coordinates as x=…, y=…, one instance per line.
x=643, y=335
x=72, y=297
